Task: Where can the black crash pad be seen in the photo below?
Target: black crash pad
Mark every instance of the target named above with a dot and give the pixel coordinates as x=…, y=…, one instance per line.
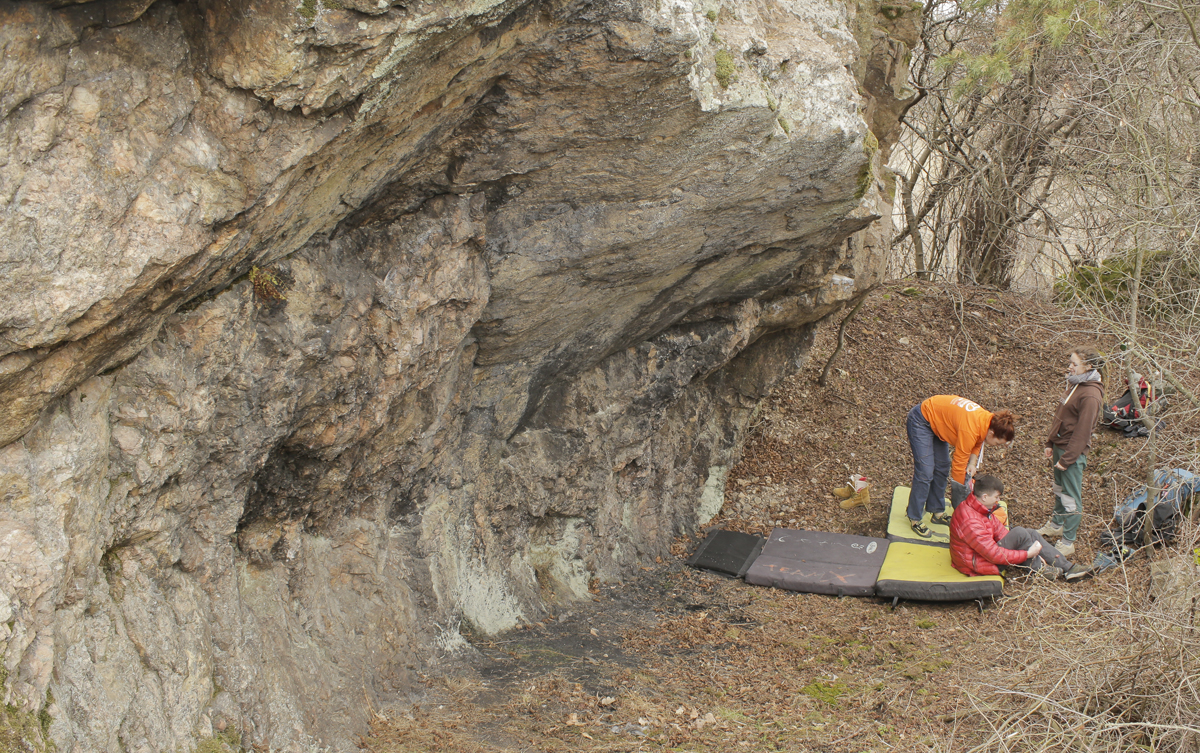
x=838, y=564
x=727, y=552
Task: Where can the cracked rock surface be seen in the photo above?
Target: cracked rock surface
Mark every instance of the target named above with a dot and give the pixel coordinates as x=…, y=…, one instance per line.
x=328, y=328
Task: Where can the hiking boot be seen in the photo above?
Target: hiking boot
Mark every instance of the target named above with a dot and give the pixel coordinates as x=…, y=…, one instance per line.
x=844, y=492
x=941, y=519
x=1050, y=529
x=1078, y=571
x=1050, y=572
x=1065, y=548
x=919, y=529
x=861, y=497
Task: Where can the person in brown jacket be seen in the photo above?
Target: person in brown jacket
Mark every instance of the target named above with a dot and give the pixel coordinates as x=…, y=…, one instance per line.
x=1070, y=437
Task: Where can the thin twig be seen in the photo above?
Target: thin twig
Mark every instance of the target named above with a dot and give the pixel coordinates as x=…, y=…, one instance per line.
x=840, y=340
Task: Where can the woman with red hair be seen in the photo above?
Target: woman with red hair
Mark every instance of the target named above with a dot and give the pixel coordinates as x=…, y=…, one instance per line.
x=936, y=425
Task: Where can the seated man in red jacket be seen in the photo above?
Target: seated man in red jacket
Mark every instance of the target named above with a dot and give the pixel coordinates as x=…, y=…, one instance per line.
x=980, y=544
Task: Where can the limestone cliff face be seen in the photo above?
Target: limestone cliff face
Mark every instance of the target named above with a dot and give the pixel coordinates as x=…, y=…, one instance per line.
x=328, y=329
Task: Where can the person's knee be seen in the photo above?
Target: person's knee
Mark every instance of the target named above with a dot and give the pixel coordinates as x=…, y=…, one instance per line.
x=1019, y=537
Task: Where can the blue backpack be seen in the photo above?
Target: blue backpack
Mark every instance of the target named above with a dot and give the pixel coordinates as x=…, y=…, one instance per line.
x=1173, y=489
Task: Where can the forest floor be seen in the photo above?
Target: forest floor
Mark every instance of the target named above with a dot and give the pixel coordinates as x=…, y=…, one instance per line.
x=681, y=659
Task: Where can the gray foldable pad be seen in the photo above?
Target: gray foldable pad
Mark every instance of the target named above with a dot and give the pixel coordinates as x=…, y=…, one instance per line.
x=823, y=563
x=727, y=552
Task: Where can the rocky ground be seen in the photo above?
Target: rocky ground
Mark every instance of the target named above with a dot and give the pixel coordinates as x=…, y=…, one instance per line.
x=679, y=659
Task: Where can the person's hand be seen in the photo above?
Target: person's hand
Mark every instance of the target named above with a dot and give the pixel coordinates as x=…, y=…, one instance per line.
x=1049, y=453
x=1034, y=550
x=1059, y=466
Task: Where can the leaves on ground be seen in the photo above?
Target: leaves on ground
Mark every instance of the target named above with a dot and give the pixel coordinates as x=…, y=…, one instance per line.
x=677, y=659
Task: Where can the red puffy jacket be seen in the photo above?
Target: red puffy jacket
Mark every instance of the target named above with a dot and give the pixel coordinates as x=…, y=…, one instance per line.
x=973, y=536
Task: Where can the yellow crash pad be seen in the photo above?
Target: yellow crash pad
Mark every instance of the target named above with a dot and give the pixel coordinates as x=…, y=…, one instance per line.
x=899, y=530
x=923, y=571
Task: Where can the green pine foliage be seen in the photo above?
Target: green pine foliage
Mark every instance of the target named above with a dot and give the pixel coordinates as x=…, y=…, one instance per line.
x=1025, y=27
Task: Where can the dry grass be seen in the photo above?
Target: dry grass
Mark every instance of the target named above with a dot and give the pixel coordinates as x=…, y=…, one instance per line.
x=1117, y=672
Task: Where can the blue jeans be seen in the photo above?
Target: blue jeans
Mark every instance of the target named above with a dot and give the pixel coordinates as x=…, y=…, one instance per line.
x=931, y=467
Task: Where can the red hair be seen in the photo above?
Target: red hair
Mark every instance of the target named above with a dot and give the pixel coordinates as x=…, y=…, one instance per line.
x=1004, y=425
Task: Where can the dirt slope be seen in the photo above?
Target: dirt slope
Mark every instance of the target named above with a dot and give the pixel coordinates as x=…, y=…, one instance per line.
x=1000, y=351
x=685, y=660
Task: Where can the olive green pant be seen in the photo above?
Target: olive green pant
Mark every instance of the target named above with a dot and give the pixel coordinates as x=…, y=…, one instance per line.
x=1068, y=495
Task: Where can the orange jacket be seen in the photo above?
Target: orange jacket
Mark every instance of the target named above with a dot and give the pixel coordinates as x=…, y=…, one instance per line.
x=960, y=422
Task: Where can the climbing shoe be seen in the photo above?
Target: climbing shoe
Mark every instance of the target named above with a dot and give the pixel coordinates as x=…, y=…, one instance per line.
x=941, y=519
x=844, y=492
x=1078, y=571
x=860, y=497
x=919, y=529
x=1065, y=548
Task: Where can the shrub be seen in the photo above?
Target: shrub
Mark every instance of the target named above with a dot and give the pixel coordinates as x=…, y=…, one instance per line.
x=1114, y=676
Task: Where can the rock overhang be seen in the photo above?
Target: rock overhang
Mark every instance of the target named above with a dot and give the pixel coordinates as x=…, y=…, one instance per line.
x=540, y=261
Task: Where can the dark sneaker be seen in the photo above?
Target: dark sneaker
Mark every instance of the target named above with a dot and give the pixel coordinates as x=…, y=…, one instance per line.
x=941, y=519
x=1050, y=572
x=1104, y=562
x=1078, y=571
x=920, y=529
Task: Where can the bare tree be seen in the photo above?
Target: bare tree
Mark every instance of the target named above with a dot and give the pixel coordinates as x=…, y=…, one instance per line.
x=979, y=158
x=1083, y=165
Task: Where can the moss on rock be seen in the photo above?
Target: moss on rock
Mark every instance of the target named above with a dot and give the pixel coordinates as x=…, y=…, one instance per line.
x=864, y=180
x=24, y=731
x=725, y=68
x=229, y=741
